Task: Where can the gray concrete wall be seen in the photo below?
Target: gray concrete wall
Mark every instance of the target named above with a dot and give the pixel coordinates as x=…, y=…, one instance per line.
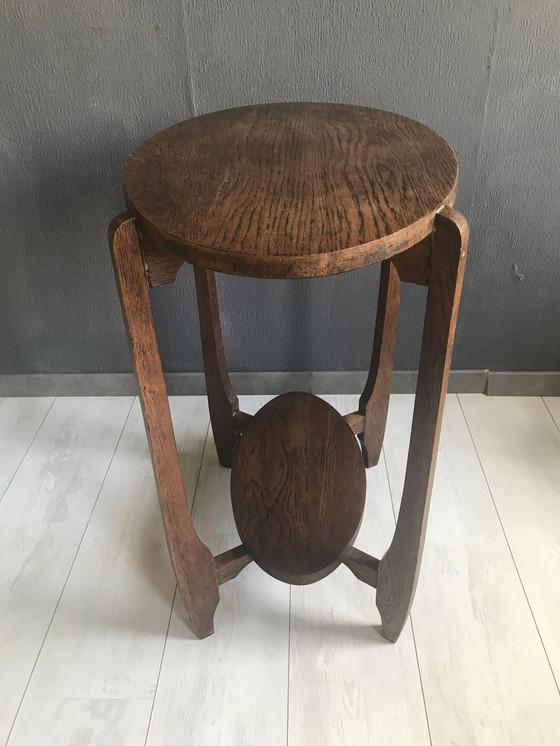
x=83, y=84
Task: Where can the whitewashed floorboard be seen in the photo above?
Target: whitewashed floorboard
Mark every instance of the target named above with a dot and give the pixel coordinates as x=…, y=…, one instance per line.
x=461, y=508
x=519, y=447
x=230, y=688
x=348, y=686
x=553, y=405
x=35, y=560
x=78, y=722
x=485, y=676
x=107, y=637
x=20, y=419
x=484, y=671
x=60, y=477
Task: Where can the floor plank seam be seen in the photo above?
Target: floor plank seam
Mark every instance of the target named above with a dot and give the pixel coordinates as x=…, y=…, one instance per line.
x=160, y=666
x=389, y=485
x=175, y=592
x=482, y=669
x=410, y=617
x=557, y=426
x=109, y=466
x=508, y=544
x=200, y=467
x=28, y=448
x=67, y=576
x=421, y=681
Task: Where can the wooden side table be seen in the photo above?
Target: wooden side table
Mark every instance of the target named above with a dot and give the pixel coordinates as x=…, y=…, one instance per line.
x=289, y=191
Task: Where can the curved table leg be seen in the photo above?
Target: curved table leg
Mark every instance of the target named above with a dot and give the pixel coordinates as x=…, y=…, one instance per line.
x=399, y=568
x=222, y=401
x=374, y=402
x=192, y=561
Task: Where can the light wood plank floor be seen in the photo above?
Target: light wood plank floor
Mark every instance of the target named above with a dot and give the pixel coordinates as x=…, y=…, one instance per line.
x=95, y=649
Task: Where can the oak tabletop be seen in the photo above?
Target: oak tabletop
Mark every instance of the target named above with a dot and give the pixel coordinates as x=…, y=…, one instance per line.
x=291, y=189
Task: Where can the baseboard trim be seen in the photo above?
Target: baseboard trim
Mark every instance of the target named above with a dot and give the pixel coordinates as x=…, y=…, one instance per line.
x=493, y=383
x=519, y=383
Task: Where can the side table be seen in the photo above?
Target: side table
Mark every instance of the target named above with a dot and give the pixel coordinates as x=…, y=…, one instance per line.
x=289, y=191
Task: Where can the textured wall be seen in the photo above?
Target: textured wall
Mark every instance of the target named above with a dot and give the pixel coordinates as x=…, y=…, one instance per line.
x=83, y=84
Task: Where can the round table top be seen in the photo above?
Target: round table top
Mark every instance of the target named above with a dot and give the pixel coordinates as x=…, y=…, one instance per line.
x=290, y=190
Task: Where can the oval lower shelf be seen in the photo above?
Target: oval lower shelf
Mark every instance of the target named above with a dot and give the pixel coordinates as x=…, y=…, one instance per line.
x=298, y=487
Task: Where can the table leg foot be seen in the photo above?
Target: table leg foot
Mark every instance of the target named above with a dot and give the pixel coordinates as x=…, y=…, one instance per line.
x=192, y=561
x=399, y=568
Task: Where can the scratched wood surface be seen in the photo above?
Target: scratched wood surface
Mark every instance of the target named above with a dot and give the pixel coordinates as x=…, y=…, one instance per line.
x=298, y=486
x=290, y=190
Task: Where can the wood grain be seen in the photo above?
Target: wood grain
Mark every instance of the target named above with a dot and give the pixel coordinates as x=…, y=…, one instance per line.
x=35, y=560
x=192, y=560
x=473, y=627
x=355, y=422
x=399, y=568
x=374, y=400
x=289, y=190
x=70, y=455
x=413, y=265
x=230, y=563
x=107, y=636
x=233, y=687
x=51, y=721
x=461, y=508
x=296, y=190
x=222, y=401
x=485, y=677
x=518, y=443
x=297, y=488
x=472, y=623
x=363, y=565
x=161, y=267
x=20, y=419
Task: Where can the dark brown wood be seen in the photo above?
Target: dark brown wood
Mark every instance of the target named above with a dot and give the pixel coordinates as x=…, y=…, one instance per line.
x=363, y=565
x=192, y=561
x=229, y=564
x=297, y=487
x=241, y=420
x=295, y=190
x=161, y=267
x=355, y=421
x=413, y=265
x=290, y=190
x=374, y=402
x=222, y=401
x=399, y=568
